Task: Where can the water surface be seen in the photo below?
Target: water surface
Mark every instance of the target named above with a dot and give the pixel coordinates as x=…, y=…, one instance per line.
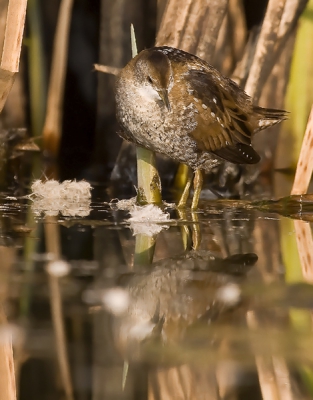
x=217, y=305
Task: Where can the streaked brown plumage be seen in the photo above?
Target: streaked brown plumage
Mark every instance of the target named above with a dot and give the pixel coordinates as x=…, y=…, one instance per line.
x=174, y=103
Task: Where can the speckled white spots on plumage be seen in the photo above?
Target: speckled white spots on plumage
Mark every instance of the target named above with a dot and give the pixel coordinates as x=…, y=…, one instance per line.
x=263, y=123
x=204, y=106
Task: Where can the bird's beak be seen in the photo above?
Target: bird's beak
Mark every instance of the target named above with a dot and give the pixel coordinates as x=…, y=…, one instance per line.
x=164, y=96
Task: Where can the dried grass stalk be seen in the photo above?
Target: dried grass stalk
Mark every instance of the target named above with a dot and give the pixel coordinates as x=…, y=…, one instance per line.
x=231, y=40
x=52, y=130
x=182, y=382
x=264, y=366
x=300, y=186
x=172, y=23
x=265, y=48
x=283, y=378
x=238, y=25
x=13, y=35
x=7, y=376
x=305, y=246
x=210, y=28
x=107, y=69
x=305, y=161
x=12, y=47
x=280, y=20
x=192, y=26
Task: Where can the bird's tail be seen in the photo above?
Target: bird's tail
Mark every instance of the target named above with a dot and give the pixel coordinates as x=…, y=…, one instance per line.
x=269, y=116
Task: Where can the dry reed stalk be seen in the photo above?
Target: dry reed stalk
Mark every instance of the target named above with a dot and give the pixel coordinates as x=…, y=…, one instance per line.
x=241, y=71
x=283, y=378
x=273, y=96
x=10, y=365
x=7, y=361
x=238, y=25
x=52, y=234
x=223, y=58
x=3, y=18
x=305, y=162
x=265, y=47
x=182, y=382
x=293, y=10
x=11, y=47
x=192, y=26
x=161, y=6
x=107, y=69
x=172, y=23
x=210, y=27
x=52, y=129
x=300, y=186
x=264, y=366
x=280, y=20
x=231, y=40
x=7, y=375
x=305, y=248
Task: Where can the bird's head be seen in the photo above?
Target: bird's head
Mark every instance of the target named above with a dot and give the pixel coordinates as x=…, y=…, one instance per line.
x=154, y=73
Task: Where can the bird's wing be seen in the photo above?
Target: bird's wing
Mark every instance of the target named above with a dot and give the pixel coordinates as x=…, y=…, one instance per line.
x=222, y=127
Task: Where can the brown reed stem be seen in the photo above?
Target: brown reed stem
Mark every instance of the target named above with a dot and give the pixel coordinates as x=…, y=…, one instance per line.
x=265, y=48
x=279, y=21
x=52, y=130
x=12, y=47
x=305, y=162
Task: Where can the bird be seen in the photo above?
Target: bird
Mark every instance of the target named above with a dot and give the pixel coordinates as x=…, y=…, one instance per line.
x=174, y=103
x=174, y=294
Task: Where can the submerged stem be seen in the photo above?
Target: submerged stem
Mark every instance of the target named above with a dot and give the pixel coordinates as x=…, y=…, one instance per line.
x=144, y=250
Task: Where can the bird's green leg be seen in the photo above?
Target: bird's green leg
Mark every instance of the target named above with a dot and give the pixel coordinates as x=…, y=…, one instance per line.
x=184, y=197
x=197, y=184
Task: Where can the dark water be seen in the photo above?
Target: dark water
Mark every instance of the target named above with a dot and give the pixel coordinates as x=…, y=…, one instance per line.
x=218, y=305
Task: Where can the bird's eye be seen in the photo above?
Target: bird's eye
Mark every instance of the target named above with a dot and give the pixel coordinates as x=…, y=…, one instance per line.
x=149, y=79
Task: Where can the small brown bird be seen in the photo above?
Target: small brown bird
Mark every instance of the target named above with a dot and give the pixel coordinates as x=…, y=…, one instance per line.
x=174, y=103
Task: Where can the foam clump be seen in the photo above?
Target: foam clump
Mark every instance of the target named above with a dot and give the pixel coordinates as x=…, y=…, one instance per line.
x=148, y=213
x=147, y=220
x=70, y=190
x=70, y=198
x=124, y=204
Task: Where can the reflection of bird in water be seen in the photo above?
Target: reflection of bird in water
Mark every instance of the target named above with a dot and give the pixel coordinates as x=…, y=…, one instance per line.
x=176, y=293
x=176, y=104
